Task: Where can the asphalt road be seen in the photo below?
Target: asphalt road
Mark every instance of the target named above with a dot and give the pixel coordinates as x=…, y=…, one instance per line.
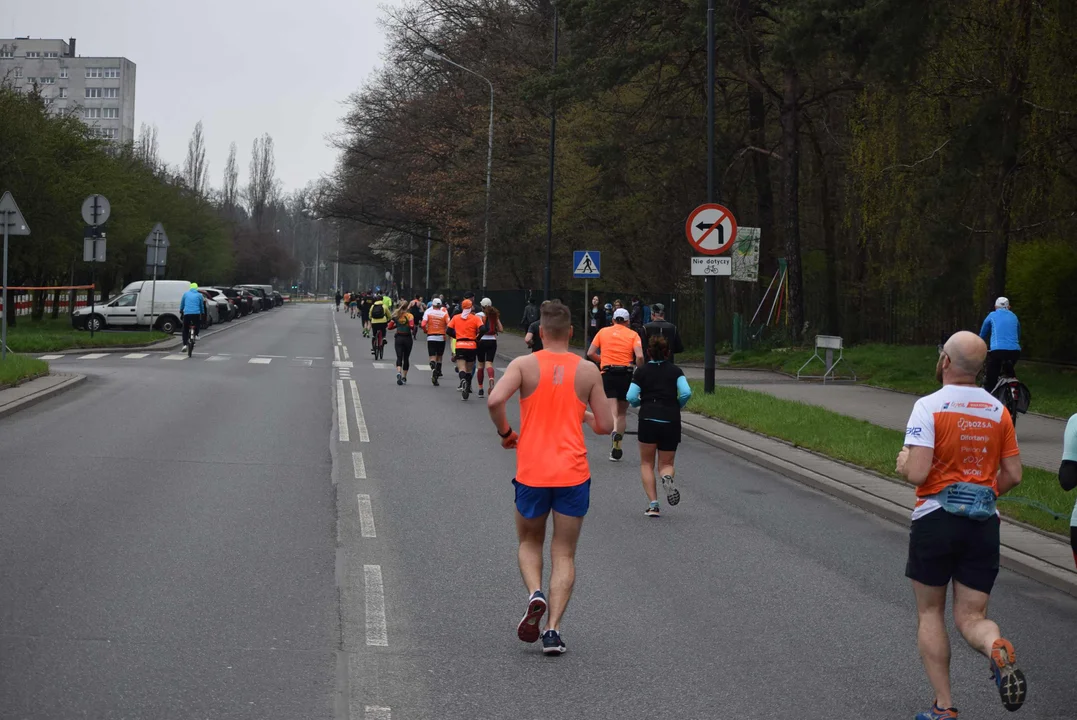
x=170, y=547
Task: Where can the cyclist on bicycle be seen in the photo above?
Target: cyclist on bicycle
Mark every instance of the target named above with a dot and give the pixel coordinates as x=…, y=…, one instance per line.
x=379, y=319
x=1003, y=330
x=192, y=307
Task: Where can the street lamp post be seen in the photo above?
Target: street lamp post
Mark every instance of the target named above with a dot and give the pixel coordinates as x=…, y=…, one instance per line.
x=549, y=189
x=489, y=158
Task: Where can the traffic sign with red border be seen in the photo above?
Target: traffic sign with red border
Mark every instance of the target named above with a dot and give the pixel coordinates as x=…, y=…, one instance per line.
x=711, y=229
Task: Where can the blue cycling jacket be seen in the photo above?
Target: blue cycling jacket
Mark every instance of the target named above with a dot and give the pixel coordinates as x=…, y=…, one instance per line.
x=1004, y=330
x=192, y=303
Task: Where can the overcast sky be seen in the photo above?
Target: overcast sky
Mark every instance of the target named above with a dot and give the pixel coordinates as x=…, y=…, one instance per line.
x=244, y=67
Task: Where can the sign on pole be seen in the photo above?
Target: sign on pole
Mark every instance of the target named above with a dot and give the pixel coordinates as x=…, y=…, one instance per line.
x=586, y=264
x=746, y=255
x=156, y=259
x=96, y=209
x=712, y=266
x=14, y=224
x=711, y=229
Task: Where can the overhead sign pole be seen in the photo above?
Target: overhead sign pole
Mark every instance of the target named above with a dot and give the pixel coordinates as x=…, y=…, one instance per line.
x=14, y=224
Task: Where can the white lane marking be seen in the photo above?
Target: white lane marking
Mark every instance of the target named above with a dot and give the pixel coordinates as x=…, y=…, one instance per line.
x=346, y=356
x=50, y=357
x=135, y=356
x=259, y=361
x=342, y=414
x=273, y=356
x=336, y=353
x=304, y=357
x=93, y=356
x=420, y=367
x=302, y=363
x=360, y=421
x=174, y=357
x=383, y=366
x=377, y=713
x=359, y=465
x=217, y=358
x=377, y=633
x=366, y=517
x=343, y=364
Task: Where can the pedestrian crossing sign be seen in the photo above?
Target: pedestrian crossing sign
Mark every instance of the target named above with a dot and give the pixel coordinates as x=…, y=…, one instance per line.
x=586, y=264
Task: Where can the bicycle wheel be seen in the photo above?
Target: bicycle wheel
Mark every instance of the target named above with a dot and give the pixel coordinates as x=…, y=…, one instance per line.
x=190, y=346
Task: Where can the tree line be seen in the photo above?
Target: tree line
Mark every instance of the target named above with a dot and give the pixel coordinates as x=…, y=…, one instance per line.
x=50, y=162
x=909, y=160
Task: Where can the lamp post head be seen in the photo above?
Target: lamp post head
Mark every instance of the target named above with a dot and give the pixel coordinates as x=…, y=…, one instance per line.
x=428, y=52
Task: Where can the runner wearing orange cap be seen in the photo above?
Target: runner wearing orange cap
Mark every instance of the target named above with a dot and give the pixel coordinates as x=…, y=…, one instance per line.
x=552, y=474
x=466, y=328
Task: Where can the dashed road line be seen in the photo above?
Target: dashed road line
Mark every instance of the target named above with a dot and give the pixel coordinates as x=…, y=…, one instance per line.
x=346, y=356
x=366, y=517
x=342, y=414
x=374, y=712
x=217, y=358
x=360, y=421
x=296, y=362
x=336, y=353
x=50, y=357
x=303, y=357
x=359, y=465
x=259, y=361
x=93, y=356
x=377, y=633
x=135, y=356
x=174, y=357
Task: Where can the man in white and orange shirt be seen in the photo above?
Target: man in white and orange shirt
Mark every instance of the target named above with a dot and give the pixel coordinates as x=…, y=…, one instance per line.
x=434, y=323
x=466, y=328
x=961, y=453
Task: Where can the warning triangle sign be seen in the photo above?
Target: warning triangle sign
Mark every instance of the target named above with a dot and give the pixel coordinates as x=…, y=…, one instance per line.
x=586, y=266
x=12, y=217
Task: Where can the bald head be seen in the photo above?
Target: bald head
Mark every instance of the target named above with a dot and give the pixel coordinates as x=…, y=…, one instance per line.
x=966, y=351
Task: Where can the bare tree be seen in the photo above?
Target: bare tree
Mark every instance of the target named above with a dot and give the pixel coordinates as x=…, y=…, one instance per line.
x=195, y=167
x=146, y=147
x=262, y=185
x=230, y=187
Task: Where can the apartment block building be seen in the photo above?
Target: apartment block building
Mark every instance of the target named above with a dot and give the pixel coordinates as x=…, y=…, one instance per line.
x=100, y=90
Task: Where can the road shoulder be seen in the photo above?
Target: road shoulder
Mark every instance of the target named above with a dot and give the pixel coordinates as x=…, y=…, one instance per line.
x=30, y=393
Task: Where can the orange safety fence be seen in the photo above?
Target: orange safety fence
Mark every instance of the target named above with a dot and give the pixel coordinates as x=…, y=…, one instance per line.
x=51, y=287
x=24, y=303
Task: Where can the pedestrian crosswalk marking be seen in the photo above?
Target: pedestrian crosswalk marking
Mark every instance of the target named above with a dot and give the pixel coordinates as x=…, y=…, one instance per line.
x=175, y=357
x=135, y=356
x=383, y=366
x=302, y=363
x=50, y=357
x=259, y=361
x=217, y=358
x=93, y=356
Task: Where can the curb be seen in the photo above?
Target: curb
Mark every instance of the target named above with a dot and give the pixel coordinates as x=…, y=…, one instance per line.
x=45, y=394
x=1011, y=558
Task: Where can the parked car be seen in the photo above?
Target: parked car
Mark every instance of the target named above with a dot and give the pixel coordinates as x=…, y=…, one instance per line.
x=262, y=295
x=213, y=311
x=253, y=301
x=226, y=309
x=132, y=308
x=278, y=299
x=240, y=302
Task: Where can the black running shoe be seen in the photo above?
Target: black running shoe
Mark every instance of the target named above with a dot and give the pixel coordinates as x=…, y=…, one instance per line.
x=399, y=380
x=616, y=453
x=481, y=393
x=552, y=644
x=528, y=629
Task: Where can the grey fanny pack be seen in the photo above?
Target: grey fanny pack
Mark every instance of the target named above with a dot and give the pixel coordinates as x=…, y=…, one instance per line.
x=968, y=500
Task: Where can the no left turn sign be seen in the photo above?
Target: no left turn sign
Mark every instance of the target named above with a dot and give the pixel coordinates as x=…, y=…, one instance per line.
x=711, y=229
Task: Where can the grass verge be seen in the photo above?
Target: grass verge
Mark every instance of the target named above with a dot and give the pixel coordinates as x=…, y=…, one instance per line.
x=910, y=368
x=16, y=368
x=860, y=443
x=52, y=335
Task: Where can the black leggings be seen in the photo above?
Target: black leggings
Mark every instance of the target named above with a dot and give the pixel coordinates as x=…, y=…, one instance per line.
x=403, y=350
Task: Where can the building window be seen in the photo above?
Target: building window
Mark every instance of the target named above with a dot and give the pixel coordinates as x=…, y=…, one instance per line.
x=111, y=92
x=63, y=73
x=18, y=72
x=112, y=72
x=63, y=92
x=92, y=93
x=106, y=133
x=91, y=113
x=52, y=54
x=48, y=81
x=111, y=113
x=6, y=54
x=31, y=80
x=33, y=54
x=93, y=72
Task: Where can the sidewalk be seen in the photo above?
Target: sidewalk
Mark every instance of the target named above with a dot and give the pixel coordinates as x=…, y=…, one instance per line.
x=33, y=392
x=1035, y=554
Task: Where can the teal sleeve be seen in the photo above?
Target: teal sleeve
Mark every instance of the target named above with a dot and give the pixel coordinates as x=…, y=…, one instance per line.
x=684, y=391
x=633, y=395
x=1069, y=442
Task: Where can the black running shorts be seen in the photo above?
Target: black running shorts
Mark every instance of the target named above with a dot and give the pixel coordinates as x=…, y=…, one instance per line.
x=487, y=351
x=944, y=546
x=465, y=354
x=616, y=383
x=435, y=348
x=667, y=436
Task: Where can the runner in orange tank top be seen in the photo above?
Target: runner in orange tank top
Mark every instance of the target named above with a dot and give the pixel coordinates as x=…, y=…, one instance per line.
x=552, y=474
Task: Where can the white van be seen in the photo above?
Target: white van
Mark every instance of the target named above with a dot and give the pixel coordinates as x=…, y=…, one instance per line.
x=132, y=307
